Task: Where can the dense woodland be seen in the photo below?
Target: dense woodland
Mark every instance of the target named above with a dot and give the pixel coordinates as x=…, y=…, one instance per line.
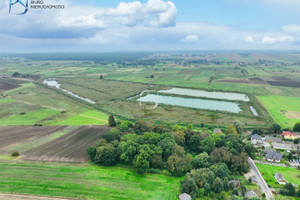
x=207, y=160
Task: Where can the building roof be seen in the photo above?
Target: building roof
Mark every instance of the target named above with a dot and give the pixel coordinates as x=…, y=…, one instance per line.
x=185, y=196
x=236, y=183
x=250, y=194
x=274, y=155
x=273, y=139
x=286, y=133
x=217, y=131
x=256, y=137
x=279, y=177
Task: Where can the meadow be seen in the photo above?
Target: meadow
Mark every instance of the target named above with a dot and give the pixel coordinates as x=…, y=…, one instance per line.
x=255, y=74
x=84, y=181
x=280, y=107
x=292, y=175
x=32, y=104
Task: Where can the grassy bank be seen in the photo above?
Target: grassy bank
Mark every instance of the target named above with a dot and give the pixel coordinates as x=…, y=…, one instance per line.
x=83, y=181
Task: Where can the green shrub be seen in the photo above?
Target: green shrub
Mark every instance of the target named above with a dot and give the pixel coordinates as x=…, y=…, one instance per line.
x=15, y=154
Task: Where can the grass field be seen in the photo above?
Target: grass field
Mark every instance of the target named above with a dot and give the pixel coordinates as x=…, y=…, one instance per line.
x=84, y=181
x=6, y=100
x=290, y=174
x=279, y=105
x=29, y=118
x=33, y=104
x=90, y=117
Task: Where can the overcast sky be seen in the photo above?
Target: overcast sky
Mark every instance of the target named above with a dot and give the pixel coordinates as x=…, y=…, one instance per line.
x=113, y=25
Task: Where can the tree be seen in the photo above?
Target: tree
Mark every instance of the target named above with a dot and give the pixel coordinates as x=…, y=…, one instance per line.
x=111, y=121
x=141, y=127
x=208, y=145
x=221, y=155
x=178, y=162
x=244, y=190
x=16, y=74
x=195, y=143
x=91, y=152
x=201, y=161
x=128, y=148
x=236, y=197
x=189, y=186
x=231, y=130
x=142, y=162
x=238, y=126
x=218, y=185
x=112, y=135
x=101, y=76
x=166, y=144
x=289, y=190
x=207, y=189
x=202, y=176
x=106, y=155
x=221, y=170
x=125, y=125
x=297, y=127
x=275, y=128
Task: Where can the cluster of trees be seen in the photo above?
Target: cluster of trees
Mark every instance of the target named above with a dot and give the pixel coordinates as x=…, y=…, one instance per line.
x=276, y=129
x=201, y=182
x=206, y=159
x=297, y=127
x=19, y=75
x=289, y=190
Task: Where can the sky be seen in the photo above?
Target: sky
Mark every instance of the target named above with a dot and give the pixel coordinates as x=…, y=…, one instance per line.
x=151, y=25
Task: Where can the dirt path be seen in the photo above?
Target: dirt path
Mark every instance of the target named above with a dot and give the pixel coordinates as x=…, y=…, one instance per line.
x=93, y=117
x=4, y=196
x=260, y=180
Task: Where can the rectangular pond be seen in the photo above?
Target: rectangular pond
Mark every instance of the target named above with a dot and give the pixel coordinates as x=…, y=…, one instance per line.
x=192, y=103
x=206, y=94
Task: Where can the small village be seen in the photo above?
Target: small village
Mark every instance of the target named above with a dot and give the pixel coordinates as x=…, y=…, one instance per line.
x=278, y=150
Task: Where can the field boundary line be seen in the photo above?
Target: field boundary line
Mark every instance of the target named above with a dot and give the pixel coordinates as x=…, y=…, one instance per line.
x=92, y=117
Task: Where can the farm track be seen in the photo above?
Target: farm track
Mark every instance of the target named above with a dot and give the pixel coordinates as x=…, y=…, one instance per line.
x=70, y=147
x=4, y=196
x=92, y=117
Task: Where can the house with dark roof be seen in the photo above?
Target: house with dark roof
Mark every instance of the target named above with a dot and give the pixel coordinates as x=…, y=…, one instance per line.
x=280, y=179
x=236, y=183
x=257, y=140
x=250, y=194
x=273, y=156
x=273, y=139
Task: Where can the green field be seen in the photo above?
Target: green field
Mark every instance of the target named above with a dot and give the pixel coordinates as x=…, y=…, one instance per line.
x=129, y=75
x=278, y=105
x=84, y=181
x=35, y=104
x=28, y=118
x=4, y=101
x=90, y=117
x=290, y=174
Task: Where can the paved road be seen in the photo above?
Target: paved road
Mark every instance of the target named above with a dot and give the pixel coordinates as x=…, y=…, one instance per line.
x=261, y=181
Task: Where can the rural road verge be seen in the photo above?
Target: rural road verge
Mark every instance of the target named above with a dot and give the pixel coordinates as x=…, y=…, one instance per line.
x=261, y=181
x=4, y=196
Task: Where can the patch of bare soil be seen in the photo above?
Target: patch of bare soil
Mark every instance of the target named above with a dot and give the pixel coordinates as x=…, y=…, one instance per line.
x=70, y=147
